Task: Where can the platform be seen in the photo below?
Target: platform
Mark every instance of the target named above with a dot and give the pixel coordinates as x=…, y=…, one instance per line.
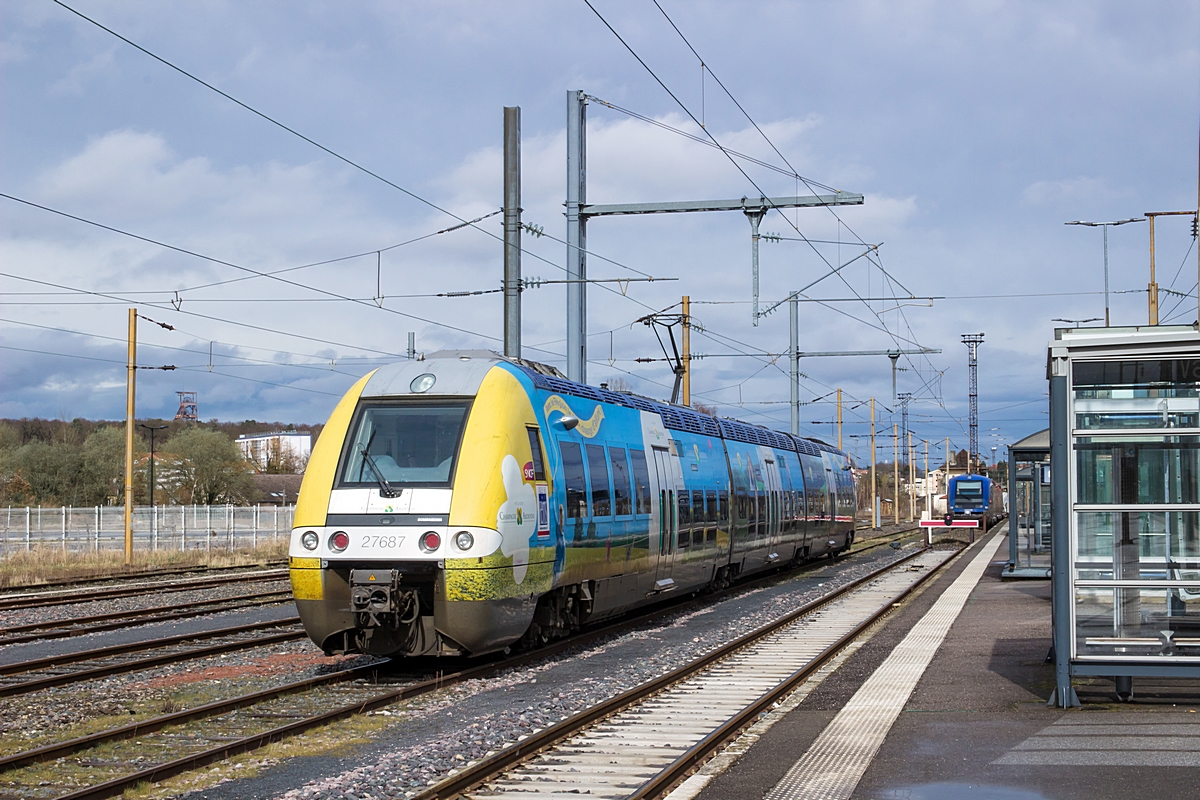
x=977, y=724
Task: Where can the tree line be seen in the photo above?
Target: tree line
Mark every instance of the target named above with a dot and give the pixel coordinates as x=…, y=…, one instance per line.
x=82, y=462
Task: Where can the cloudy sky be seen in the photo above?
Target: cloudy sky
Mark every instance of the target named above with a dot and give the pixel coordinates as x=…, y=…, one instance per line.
x=974, y=131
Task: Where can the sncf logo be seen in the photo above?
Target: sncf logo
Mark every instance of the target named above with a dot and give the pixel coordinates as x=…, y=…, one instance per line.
x=527, y=471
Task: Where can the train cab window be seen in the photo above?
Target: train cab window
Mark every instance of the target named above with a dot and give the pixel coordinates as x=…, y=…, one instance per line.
x=405, y=444
x=598, y=471
x=575, y=482
x=622, y=499
x=641, y=481
x=535, y=447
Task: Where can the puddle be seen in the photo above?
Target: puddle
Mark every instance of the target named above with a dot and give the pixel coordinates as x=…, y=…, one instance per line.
x=957, y=791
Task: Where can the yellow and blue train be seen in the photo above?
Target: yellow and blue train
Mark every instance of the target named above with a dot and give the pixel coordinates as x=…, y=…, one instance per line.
x=466, y=502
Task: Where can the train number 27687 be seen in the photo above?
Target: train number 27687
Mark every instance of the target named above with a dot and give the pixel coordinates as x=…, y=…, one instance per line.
x=381, y=541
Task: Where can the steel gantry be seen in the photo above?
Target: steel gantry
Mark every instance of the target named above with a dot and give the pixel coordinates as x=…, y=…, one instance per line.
x=578, y=211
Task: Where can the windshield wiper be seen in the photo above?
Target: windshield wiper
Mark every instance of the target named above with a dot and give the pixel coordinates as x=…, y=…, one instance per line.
x=385, y=488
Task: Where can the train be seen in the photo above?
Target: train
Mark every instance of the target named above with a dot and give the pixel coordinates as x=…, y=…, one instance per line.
x=466, y=503
x=974, y=496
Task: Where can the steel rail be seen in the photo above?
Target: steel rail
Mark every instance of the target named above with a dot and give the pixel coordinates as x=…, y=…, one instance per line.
x=51, y=681
x=60, y=599
x=141, y=616
x=139, y=575
x=196, y=760
x=60, y=749
x=680, y=768
x=487, y=768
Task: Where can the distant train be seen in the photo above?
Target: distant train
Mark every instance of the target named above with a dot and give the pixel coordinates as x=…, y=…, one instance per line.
x=976, y=497
x=464, y=503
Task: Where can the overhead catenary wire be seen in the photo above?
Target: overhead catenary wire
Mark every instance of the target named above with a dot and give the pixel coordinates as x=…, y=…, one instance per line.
x=232, y=265
x=329, y=151
x=779, y=153
x=732, y=160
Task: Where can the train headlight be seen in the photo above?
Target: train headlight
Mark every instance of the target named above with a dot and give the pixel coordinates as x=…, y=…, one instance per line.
x=310, y=540
x=431, y=541
x=339, y=541
x=422, y=383
x=463, y=540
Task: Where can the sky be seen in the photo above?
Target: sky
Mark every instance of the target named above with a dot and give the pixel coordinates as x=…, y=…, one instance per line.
x=974, y=131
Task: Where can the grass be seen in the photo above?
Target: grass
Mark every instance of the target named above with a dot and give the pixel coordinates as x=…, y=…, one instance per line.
x=48, y=565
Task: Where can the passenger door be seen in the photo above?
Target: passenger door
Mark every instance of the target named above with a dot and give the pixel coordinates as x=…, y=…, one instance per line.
x=773, y=487
x=667, y=512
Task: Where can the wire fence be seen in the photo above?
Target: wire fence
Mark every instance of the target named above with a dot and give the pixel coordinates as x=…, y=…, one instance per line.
x=94, y=528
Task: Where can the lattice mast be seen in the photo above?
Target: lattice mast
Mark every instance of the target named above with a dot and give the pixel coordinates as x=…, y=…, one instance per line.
x=905, y=398
x=972, y=341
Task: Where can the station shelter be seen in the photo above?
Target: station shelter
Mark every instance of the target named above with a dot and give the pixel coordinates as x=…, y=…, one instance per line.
x=1125, y=480
x=1029, y=508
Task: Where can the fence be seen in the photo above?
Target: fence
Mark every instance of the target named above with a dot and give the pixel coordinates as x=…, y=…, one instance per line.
x=95, y=528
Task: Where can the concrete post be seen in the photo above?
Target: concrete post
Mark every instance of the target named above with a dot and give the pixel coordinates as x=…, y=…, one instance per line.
x=794, y=361
x=576, y=236
x=512, y=232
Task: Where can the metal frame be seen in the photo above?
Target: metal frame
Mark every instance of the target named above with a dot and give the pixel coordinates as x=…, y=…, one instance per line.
x=1071, y=345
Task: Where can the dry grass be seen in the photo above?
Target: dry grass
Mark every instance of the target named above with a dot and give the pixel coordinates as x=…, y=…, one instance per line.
x=51, y=565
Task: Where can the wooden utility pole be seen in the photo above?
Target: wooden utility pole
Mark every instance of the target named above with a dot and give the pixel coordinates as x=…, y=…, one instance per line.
x=896, y=472
x=130, y=381
x=839, y=392
x=1152, y=287
x=686, y=344
x=874, y=485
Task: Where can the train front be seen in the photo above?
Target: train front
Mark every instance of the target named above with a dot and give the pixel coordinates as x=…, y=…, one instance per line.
x=417, y=527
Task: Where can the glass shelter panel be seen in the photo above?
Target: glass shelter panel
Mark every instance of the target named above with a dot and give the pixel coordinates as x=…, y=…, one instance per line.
x=1136, y=509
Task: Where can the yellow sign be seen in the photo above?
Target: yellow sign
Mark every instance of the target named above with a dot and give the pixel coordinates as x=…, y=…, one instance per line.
x=586, y=427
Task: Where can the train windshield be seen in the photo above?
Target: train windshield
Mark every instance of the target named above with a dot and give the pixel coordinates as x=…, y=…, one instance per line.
x=404, y=445
x=968, y=493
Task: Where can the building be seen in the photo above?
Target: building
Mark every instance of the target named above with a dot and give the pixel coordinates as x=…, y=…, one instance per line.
x=281, y=452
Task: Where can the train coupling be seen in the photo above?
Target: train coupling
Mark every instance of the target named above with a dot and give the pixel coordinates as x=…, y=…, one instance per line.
x=377, y=599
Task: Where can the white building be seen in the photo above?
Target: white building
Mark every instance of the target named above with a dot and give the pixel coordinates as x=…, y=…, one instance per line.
x=286, y=451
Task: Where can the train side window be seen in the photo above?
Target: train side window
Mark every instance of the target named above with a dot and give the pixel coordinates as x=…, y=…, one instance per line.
x=712, y=505
x=724, y=512
x=683, y=501
x=535, y=447
x=601, y=491
x=641, y=481
x=576, y=484
x=622, y=500
x=698, y=513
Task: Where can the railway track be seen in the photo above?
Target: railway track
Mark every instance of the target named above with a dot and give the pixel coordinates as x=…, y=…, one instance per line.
x=174, y=743
x=139, y=575
x=68, y=597
x=644, y=741
x=34, y=675
x=95, y=623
